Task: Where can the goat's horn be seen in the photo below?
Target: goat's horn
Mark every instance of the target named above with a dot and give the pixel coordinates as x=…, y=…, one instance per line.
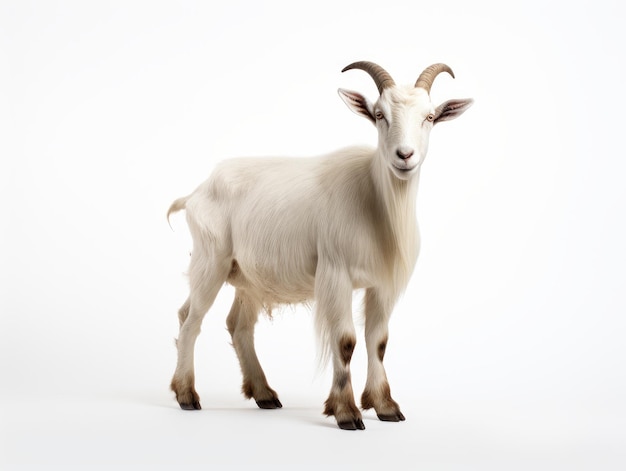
x=381, y=77
x=426, y=78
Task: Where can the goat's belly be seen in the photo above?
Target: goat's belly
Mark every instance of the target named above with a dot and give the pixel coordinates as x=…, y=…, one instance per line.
x=272, y=287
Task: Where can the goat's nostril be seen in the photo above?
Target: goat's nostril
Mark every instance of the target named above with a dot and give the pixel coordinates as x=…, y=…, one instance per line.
x=404, y=154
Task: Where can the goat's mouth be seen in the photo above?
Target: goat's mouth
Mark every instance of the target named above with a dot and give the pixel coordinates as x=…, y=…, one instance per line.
x=404, y=172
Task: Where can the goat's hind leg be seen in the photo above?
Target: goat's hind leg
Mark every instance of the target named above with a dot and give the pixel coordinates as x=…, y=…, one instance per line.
x=241, y=321
x=205, y=282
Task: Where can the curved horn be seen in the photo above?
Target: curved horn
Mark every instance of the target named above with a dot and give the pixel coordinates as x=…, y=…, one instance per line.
x=381, y=77
x=427, y=77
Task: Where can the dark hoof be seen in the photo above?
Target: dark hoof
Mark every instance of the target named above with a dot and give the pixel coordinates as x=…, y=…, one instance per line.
x=193, y=406
x=269, y=404
x=397, y=417
x=355, y=424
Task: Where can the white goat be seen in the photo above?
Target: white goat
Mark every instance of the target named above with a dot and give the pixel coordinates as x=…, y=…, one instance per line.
x=285, y=231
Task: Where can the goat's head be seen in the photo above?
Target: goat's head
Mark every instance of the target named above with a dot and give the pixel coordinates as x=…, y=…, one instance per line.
x=403, y=116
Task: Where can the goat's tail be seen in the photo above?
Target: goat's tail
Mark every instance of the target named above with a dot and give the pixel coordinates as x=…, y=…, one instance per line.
x=176, y=206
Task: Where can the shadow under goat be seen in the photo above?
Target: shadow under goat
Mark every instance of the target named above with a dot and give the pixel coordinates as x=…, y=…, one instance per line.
x=286, y=230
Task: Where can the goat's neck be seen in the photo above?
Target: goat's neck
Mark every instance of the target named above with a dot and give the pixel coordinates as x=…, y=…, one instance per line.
x=397, y=202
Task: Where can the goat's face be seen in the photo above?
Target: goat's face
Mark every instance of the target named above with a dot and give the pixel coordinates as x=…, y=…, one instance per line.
x=404, y=117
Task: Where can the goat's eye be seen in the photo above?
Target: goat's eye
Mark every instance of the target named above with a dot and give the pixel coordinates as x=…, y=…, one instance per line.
x=430, y=117
x=379, y=115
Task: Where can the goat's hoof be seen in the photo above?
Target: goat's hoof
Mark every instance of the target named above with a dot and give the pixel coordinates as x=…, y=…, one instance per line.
x=354, y=424
x=395, y=417
x=189, y=401
x=186, y=395
x=269, y=404
x=195, y=405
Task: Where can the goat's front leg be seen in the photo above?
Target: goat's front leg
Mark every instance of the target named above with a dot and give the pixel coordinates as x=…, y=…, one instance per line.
x=377, y=393
x=333, y=292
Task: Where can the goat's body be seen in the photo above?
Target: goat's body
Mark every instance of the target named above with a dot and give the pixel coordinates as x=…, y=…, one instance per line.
x=285, y=231
x=327, y=205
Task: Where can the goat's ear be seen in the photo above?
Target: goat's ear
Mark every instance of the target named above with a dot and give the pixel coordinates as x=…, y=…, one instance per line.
x=452, y=109
x=357, y=103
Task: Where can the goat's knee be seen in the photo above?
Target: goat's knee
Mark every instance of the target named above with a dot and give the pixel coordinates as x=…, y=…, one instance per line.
x=183, y=312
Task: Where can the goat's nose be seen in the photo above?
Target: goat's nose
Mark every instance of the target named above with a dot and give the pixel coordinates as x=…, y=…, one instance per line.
x=404, y=154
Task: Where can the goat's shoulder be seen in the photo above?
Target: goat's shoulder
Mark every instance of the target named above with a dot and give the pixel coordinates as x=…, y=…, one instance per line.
x=347, y=173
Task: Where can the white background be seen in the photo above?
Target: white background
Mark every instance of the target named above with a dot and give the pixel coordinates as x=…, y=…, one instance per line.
x=507, y=350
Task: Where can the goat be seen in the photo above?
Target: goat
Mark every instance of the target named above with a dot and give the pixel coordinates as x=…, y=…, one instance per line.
x=286, y=230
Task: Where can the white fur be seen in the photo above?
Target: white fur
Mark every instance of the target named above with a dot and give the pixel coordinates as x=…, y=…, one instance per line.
x=286, y=230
